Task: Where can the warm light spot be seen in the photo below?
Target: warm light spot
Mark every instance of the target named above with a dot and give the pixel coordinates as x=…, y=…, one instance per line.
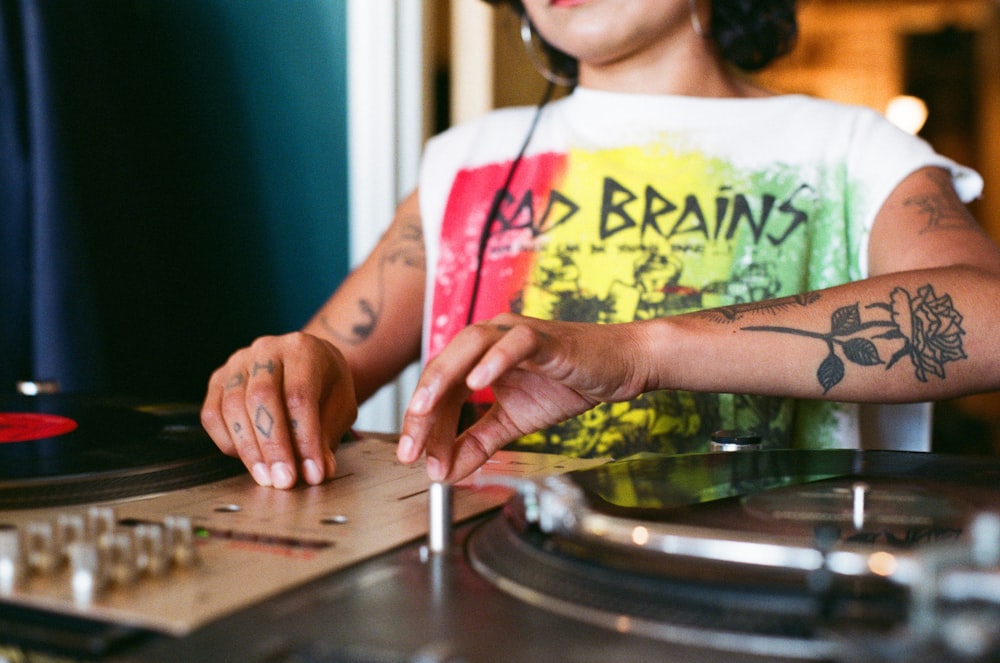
x=908, y=113
x=882, y=563
x=640, y=536
x=623, y=624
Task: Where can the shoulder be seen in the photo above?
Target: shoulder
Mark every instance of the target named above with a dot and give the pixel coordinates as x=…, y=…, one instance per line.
x=490, y=137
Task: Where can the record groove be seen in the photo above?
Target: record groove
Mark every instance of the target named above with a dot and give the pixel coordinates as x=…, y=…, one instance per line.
x=118, y=449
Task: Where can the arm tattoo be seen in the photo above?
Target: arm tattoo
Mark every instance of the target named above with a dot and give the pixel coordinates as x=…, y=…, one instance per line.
x=405, y=248
x=926, y=328
x=727, y=314
x=943, y=210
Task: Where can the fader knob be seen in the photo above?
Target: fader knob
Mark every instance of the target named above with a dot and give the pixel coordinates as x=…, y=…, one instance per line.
x=728, y=440
x=180, y=540
x=150, y=549
x=986, y=539
x=12, y=569
x=119, y=549
x=88, y=575
x=41, y=547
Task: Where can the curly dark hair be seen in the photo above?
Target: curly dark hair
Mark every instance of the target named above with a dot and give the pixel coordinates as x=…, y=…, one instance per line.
x=750, y=34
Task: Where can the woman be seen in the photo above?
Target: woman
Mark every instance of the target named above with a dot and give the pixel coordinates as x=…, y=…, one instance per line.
x=754, y=261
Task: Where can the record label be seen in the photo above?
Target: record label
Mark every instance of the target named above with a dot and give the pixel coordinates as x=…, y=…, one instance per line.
x=28, y=426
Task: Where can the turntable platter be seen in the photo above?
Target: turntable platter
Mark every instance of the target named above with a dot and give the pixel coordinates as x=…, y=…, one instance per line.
x=60, y=450
x=781, y=553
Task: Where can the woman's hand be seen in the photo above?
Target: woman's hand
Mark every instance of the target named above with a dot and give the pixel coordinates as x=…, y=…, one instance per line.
x=541, y=373
x=281, y=405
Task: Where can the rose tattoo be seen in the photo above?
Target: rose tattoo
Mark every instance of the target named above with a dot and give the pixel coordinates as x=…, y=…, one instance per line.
x=924, y=327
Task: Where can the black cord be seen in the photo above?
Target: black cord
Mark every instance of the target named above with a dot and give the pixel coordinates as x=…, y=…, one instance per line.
x=484, y=236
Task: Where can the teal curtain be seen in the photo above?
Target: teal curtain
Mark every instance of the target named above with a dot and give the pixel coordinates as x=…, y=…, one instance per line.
x=194, y=181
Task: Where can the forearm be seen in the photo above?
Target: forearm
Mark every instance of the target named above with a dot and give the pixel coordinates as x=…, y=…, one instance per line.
x=376, y=343
x=908, y=336
x=375, y=316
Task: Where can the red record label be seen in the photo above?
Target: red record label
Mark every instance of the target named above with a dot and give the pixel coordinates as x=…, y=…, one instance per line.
x=27, y=426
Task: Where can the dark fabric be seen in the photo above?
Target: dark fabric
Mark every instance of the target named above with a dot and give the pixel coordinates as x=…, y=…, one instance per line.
x=172, y=184
x=46, y=304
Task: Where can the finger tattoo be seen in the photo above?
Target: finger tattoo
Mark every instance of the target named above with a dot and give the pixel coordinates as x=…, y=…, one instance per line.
x=235, y=381
x=263, y=421
x=257, y=367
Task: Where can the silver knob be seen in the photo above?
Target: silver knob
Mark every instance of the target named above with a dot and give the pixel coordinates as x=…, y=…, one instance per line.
x=859, y=492
x=150, y=551
x=181, y=547
x=41, y=547
x=101, y=520
x=12, y=567
x=728, y=440
x=88, y=573
x=985, y=533
x=119, y=550
x=70, y=528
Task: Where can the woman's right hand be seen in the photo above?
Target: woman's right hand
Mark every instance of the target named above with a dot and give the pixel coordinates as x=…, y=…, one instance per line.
x=282, y=405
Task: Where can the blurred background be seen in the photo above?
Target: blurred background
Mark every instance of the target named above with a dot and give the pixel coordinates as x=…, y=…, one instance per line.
x=178, y=177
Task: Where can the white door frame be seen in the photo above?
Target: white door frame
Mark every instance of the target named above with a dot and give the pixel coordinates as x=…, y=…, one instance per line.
x=389, y=118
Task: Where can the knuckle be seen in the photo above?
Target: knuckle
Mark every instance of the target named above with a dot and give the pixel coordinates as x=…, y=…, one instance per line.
x=211, y=418
x=301, y=394
x=259, y=391
x=273, y=449
x=297, y=400
x=297, y=341
x=233, y=406
x=506, y=318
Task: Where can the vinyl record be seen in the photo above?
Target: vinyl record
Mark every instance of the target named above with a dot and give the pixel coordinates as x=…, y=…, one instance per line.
x=62, y=449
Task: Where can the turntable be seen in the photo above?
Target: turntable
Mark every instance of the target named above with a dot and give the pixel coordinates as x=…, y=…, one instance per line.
x=780, y=555
x=820, y=555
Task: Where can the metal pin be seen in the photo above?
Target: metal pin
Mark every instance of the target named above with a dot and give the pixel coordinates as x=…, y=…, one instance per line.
x=439, y=531
x=860, y=490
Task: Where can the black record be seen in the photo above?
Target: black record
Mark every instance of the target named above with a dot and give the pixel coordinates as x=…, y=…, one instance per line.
x=62, y=449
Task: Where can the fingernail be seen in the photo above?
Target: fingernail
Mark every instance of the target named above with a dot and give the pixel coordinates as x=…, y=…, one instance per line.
x=418, y=404
x=282, y=475
x=434, y=469
x=312, y=473
x=478, y=378
x=261, y=475
x=405, y=449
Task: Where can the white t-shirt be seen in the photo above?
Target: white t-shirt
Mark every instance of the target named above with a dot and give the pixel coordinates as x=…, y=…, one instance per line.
x=630, y=207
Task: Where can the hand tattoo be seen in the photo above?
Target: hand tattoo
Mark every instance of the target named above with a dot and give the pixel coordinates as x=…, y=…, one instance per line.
x=926, y=328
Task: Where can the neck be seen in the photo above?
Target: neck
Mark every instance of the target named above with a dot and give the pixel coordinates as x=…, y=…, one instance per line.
x=688, y=68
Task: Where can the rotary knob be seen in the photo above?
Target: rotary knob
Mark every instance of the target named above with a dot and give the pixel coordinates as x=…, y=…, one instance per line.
x=88, y=571
x=729, y=440
x=12, y=565
x=180, y=541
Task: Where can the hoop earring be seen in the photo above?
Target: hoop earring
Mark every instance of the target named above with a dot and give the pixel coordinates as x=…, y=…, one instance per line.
x=528, y=38
x=695, y=19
